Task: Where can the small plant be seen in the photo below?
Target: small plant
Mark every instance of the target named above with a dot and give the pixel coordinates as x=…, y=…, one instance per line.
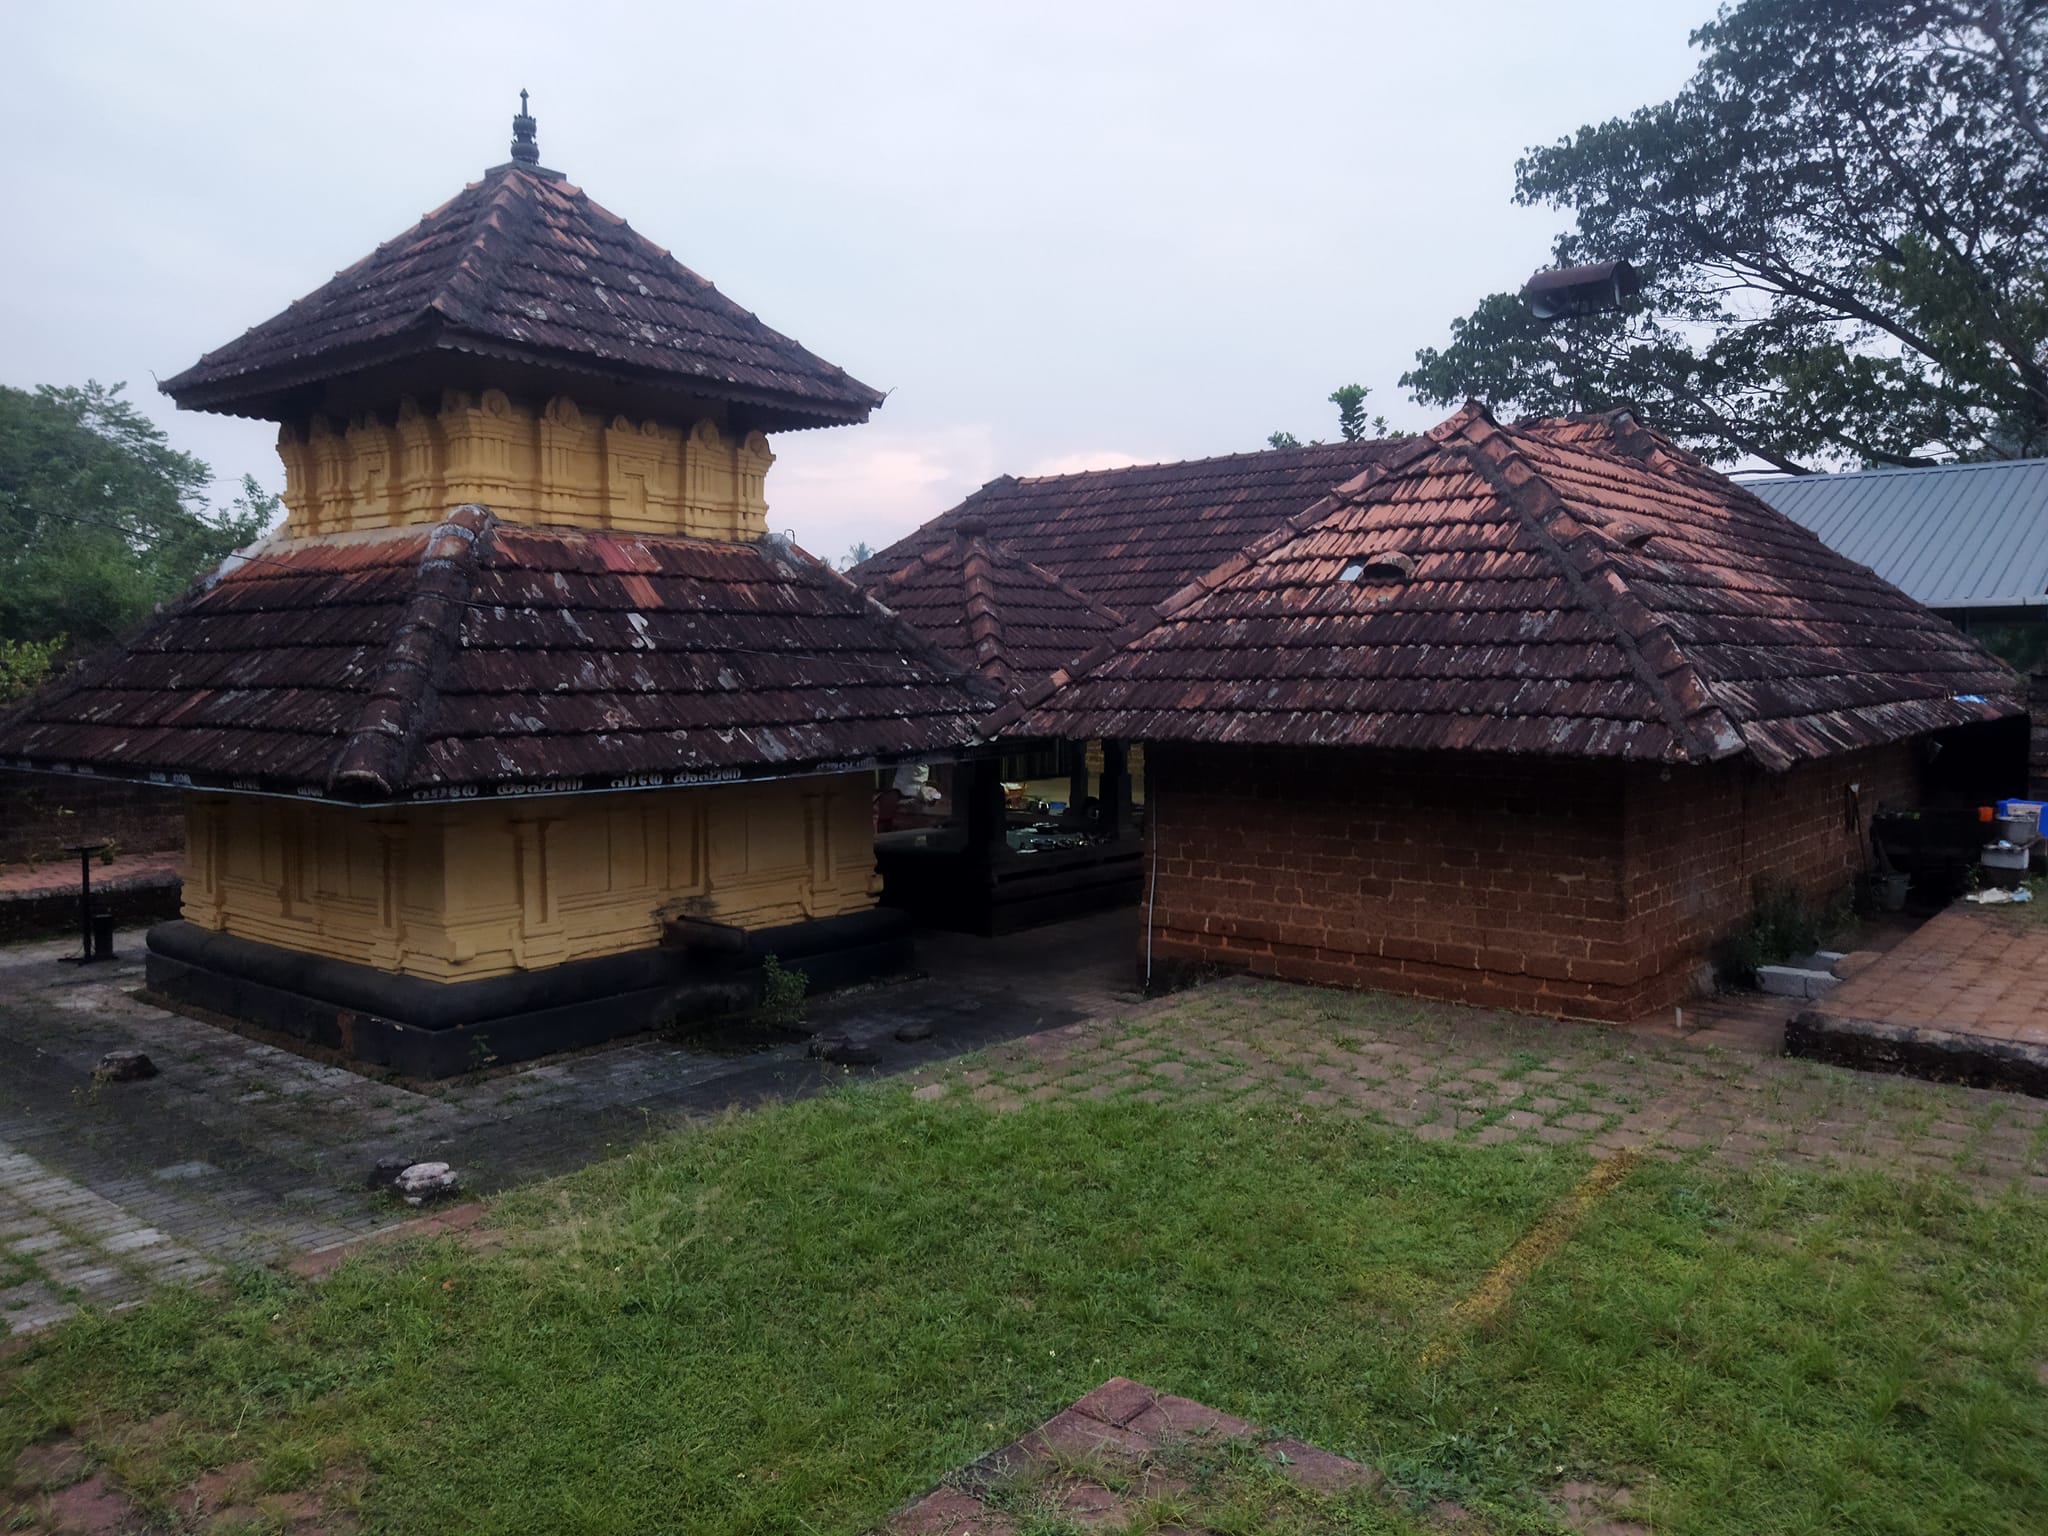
x=25, y=665
x=782, y=995
x=1784, y=923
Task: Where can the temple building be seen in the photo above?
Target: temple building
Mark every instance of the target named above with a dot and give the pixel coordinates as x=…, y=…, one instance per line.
x=1018, y=580
x=1519, y=715
x=1042, y=831
x=522, y=730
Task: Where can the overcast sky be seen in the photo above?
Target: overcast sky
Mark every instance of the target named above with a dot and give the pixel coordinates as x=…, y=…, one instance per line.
x=1060, y=236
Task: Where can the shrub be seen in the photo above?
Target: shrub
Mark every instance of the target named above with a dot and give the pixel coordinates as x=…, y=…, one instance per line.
x=1783, y=924
x=782, y=995
x=25, y=665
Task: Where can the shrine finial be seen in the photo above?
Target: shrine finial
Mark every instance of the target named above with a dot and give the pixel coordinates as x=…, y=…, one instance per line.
x=525, y=147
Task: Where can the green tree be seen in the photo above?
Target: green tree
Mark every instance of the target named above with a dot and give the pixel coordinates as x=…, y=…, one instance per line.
x=1350, y=402
x=100, y=518
x=1352, y=424
x=1842, y=225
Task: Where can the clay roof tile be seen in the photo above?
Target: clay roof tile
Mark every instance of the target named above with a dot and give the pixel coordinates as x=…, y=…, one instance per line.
x=1709, y=626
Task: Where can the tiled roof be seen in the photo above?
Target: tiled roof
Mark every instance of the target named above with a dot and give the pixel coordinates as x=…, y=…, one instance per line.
x=524, y=266
x=484, y=657
x=1129, y=537
x=1574, y=588
x=1010, y=619
x=1951, y=535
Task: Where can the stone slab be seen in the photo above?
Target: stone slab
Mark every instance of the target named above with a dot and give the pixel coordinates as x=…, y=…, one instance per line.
x=1794, y=981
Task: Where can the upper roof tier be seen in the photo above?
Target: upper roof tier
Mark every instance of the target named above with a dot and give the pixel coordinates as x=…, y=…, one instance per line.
x=522, y=282
x=1570, y=588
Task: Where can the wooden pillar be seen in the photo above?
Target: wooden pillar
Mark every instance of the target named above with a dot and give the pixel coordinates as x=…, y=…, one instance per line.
x=1115, y=793
x=978, y=791
x=1077, y=781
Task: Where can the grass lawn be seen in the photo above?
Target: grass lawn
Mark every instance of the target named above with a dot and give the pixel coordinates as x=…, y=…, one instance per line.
x=794, y=1319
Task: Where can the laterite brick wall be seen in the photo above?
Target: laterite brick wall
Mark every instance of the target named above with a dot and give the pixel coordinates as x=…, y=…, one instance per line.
x=1698, y=839
x=1567, y=889
x=1497, y=882
x=42, y=812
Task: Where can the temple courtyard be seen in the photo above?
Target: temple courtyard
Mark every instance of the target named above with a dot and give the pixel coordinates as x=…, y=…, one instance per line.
x=1499, y=1260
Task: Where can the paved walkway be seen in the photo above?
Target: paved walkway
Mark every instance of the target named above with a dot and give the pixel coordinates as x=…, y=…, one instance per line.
x=1446, y=1073
x=1972, y=970
x=243, y=1152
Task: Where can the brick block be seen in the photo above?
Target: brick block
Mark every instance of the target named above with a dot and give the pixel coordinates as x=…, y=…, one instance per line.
x=1320, y=1471
x=1117, y=1401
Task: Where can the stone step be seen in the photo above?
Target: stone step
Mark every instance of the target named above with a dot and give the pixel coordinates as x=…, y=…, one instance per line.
x=1795, y=980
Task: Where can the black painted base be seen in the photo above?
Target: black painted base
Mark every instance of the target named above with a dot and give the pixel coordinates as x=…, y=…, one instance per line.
x=423, y=1028
x=1945, y=1056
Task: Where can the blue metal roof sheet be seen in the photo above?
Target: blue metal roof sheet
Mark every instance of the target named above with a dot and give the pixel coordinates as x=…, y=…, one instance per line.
x=1952, y=536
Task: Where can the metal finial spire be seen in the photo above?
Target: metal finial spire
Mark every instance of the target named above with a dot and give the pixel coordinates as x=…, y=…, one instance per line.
x=525, y=148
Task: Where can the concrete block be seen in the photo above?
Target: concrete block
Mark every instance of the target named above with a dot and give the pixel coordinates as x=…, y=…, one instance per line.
x=1793, y=981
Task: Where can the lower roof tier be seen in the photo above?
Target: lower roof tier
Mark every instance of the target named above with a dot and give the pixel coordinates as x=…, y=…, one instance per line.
x=477, y=657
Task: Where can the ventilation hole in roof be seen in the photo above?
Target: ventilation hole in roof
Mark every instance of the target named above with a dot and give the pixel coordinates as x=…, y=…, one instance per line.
x=1387, y=565
x=1632, y=535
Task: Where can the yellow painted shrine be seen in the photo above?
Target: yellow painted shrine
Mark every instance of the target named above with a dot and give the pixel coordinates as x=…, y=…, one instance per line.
x=409, y=760
x=472, y=889
x=554, y=465
x=475, y=889
x=452, y=892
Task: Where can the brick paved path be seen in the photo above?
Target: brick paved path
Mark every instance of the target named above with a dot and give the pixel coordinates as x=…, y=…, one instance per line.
x=1974, y=970
x=1446, y=1073
x=1126, y=1434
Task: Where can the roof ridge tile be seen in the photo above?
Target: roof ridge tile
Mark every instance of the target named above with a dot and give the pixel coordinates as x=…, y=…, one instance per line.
x=984, y=613
x=898, y=627
x=372, y=762
x=1701, y=729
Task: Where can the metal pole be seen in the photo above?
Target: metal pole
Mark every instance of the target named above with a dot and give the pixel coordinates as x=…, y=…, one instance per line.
x=85, y=901
x=85, y=851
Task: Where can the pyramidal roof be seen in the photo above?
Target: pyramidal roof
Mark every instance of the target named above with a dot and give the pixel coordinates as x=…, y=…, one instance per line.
x=1576, y=587
x=524, y=268
x=1013, y=621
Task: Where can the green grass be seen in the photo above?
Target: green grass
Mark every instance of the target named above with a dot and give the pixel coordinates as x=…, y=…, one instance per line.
x=792, y=1320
